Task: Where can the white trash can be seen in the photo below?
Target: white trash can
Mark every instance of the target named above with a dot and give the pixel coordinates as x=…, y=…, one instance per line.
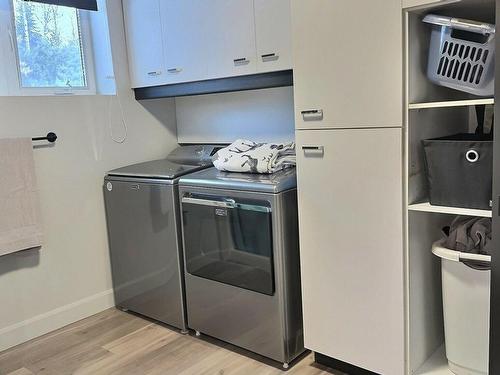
x=466, y=307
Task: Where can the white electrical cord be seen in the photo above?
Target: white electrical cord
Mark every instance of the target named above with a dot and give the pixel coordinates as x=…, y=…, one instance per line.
x=123, y=121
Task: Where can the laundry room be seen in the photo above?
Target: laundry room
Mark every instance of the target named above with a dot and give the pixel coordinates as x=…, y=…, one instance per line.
x=249, y=187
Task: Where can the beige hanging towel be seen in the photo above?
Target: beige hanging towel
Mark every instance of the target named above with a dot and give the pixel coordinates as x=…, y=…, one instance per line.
x=20, y=222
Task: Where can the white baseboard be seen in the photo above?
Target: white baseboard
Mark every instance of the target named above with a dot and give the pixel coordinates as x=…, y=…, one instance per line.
x=28, y=329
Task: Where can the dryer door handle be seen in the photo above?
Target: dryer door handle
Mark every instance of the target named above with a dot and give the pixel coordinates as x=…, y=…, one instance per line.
x=209, y=202
x=226, y=203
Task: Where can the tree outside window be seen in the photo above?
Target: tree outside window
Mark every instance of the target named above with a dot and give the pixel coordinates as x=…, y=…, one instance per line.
x=49, y=46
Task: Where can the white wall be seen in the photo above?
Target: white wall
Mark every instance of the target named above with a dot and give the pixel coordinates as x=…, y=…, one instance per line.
x=69, y=278
x=259, y=115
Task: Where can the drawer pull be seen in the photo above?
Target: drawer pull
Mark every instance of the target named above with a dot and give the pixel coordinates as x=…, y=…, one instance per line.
x=174, y=70
x=241, y=61
x=312, y=115
x=154, y=74
x=270, y=57
x=314, y=150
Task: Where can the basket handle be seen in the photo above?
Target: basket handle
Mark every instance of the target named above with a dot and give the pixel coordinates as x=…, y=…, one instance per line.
x=472, y=26
x=477, y=265
x=461, y=24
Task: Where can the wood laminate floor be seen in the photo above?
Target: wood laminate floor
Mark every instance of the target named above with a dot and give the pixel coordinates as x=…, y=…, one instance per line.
x=114, y=342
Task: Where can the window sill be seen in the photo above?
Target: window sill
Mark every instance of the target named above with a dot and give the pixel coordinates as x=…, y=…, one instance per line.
x=53, y=95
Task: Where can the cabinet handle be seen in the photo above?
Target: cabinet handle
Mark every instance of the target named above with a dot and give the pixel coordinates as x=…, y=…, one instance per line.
x=314, y=150
x=174, y=70
x=241, y=61
x=154, y=74
x=312, y=115
x=270, y=57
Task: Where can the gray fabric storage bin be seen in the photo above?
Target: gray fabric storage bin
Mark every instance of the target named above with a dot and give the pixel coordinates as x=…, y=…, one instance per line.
x=459, y=170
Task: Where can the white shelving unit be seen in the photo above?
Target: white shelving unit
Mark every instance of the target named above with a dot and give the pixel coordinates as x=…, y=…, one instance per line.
x=431, y=111
x=427, y=207
x=451, y=103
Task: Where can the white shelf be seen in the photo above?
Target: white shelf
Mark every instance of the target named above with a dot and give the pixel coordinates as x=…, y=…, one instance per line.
x=451, y=103
x=427, y=207
x=424, y=4
x=435, y=365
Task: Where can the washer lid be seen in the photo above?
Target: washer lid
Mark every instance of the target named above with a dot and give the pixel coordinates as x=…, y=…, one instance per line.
x=265, y=183
x=159, y=169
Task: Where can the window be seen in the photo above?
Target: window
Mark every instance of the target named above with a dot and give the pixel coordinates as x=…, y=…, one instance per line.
x=53, y=50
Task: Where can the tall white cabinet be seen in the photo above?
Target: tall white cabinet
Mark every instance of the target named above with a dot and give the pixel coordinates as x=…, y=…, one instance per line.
x=348, y=100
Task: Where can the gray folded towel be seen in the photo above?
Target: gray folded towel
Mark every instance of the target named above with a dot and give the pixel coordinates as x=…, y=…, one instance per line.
x=20, y=222
x=470, y=235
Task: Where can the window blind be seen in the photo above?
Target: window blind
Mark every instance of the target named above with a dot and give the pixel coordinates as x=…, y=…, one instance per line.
x=79, y=4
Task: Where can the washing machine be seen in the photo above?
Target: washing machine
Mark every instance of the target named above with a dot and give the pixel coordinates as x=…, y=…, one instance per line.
x=142, y=214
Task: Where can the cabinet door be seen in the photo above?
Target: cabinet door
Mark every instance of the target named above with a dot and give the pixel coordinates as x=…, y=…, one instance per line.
x=273, y=33
x=185, y=49
x=144, y=42
x=347, y=57
x=351, y=245
x=231, y=38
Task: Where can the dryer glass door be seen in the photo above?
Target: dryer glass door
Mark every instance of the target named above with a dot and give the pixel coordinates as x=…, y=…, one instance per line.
x=229, y=240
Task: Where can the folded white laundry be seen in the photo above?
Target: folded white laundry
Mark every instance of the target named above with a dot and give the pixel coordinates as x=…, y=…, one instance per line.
x=251, y=157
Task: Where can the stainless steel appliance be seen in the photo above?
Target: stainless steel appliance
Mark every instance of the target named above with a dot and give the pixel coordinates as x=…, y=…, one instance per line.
x=142, y=211
x=242, y=260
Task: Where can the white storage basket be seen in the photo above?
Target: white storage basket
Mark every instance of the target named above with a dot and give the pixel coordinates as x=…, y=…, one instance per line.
x=462, y=54
x=466, y=307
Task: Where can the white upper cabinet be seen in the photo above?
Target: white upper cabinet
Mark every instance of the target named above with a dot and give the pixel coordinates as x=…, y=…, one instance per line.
x=144, y=42
x=183, y=25
x=273, y=35
x=347, y=57
x=231, y=38
x=173, y=41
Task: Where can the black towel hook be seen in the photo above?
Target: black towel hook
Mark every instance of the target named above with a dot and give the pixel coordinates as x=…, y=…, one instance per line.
x=50, y=137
